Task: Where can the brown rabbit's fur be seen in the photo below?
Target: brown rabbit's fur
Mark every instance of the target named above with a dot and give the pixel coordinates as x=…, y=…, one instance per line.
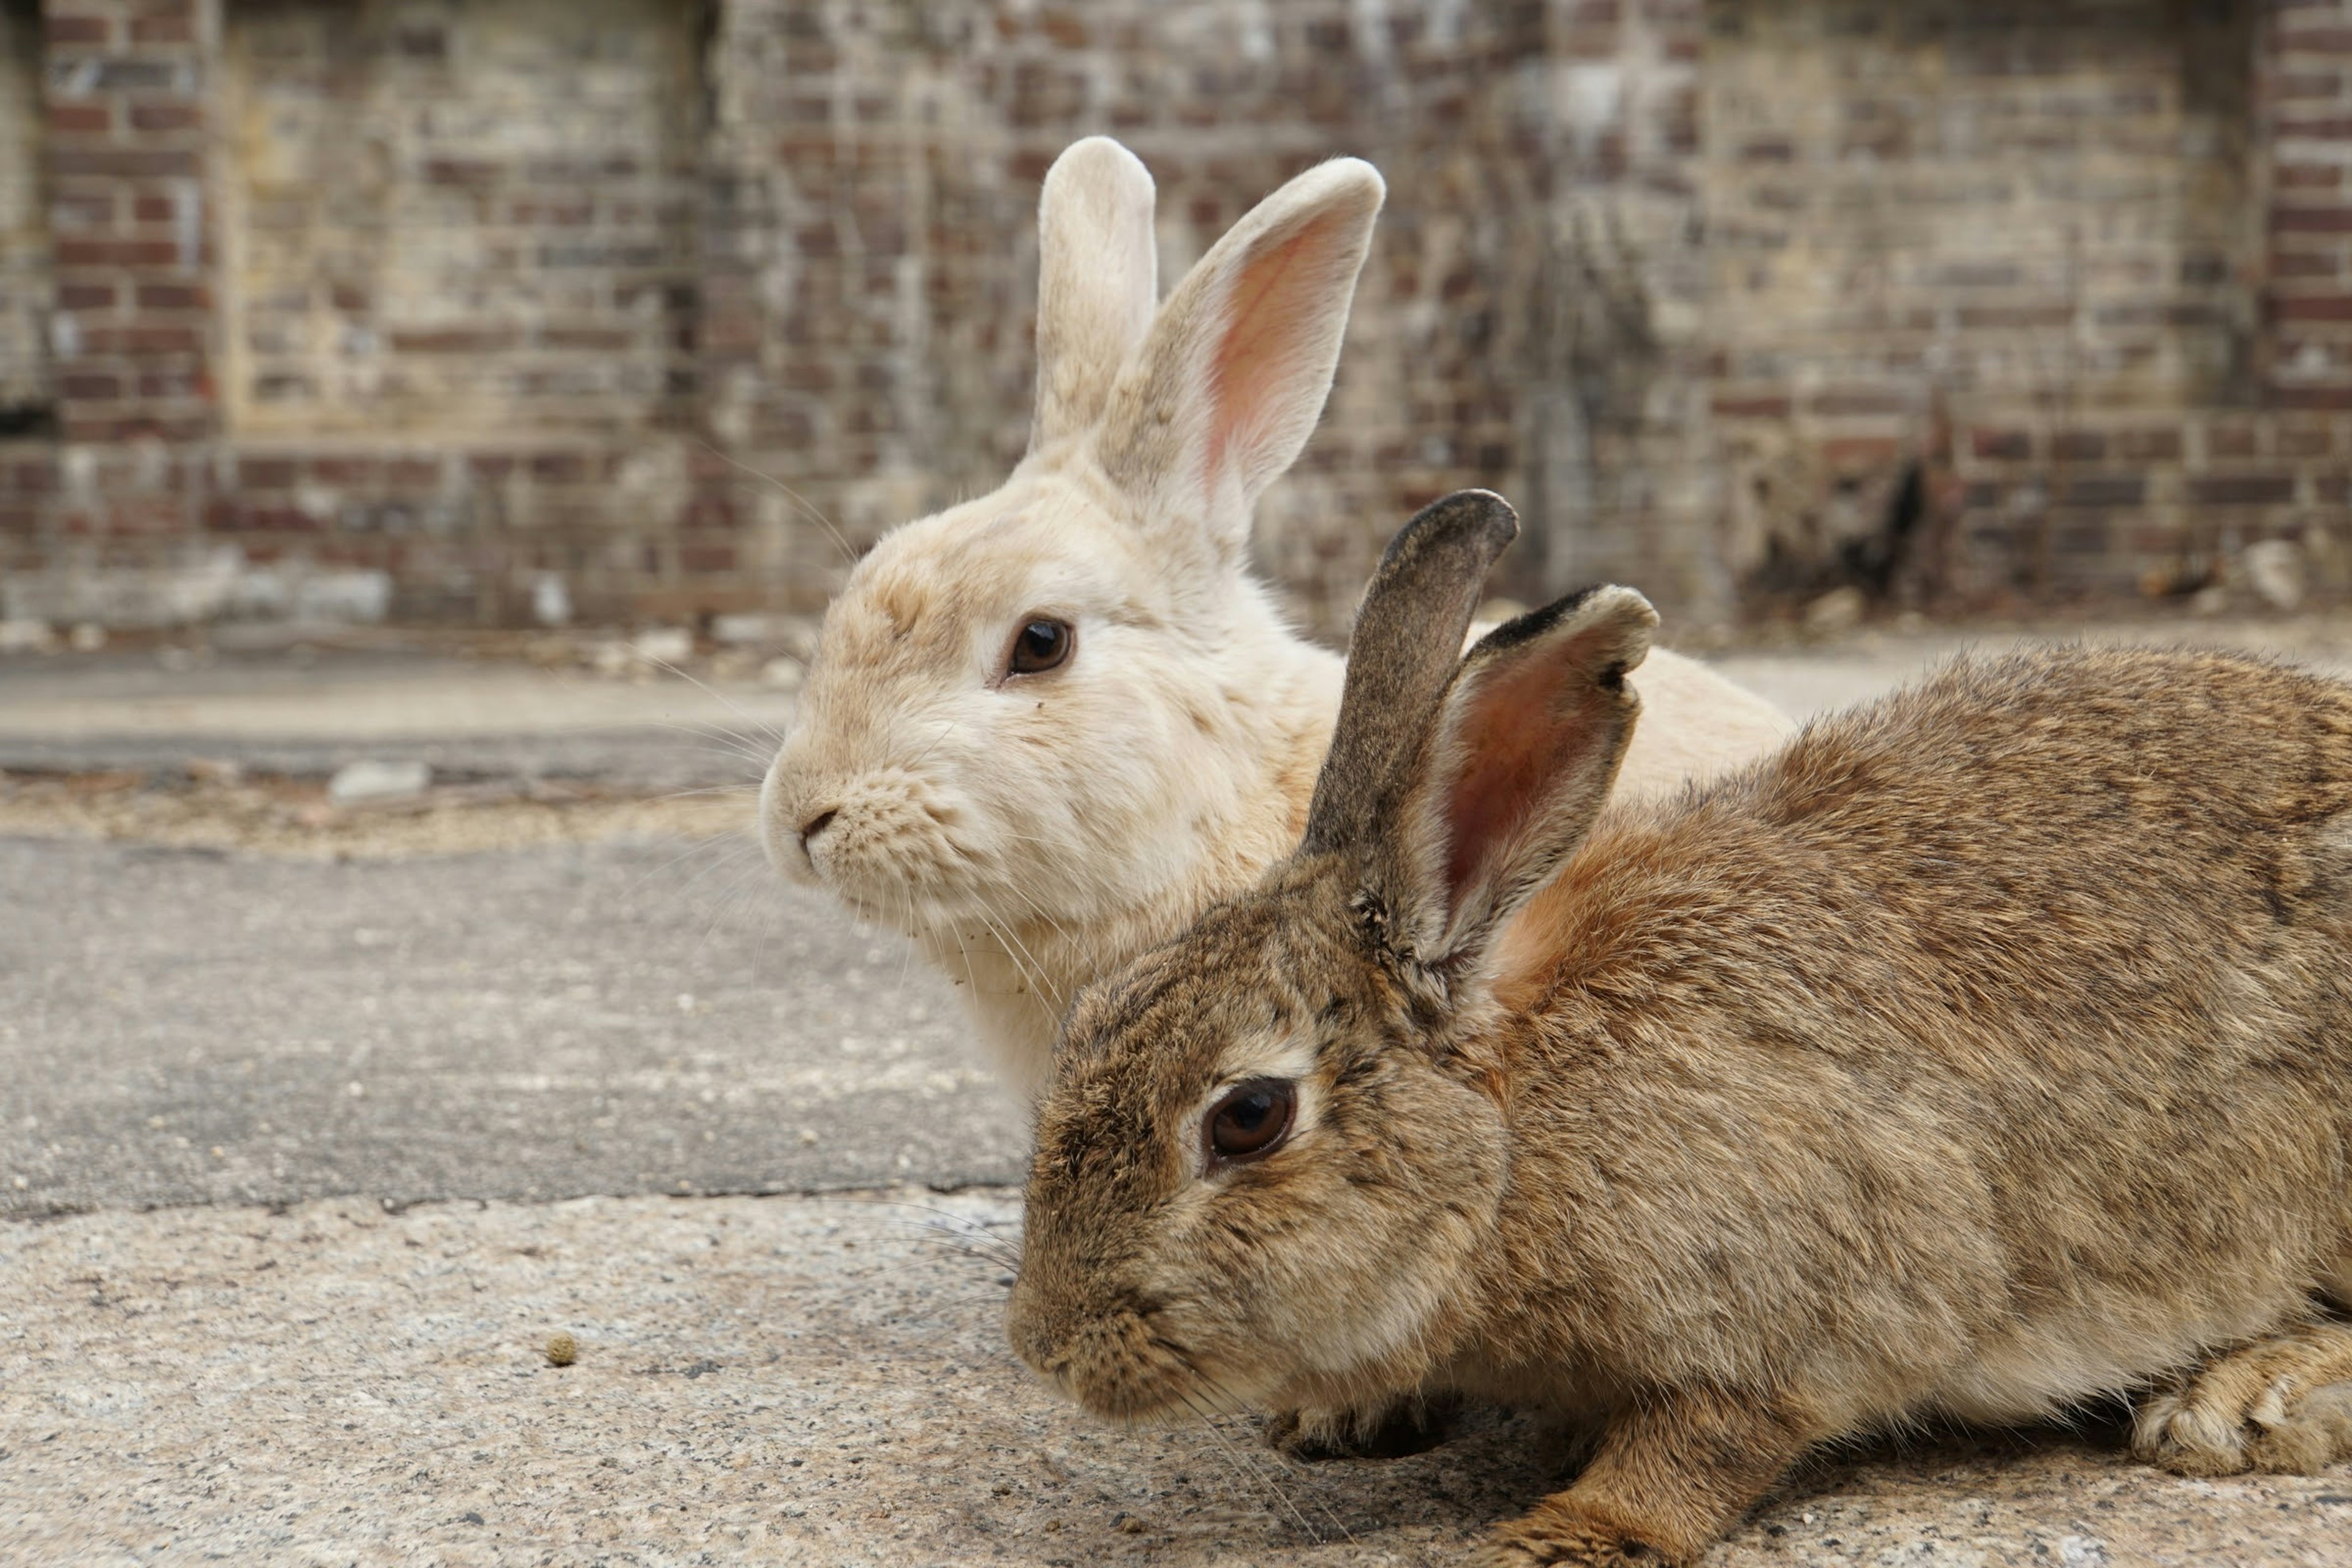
x=1987, y=1051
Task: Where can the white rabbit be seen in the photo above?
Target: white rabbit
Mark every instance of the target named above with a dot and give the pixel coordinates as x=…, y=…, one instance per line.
x=1045, y=729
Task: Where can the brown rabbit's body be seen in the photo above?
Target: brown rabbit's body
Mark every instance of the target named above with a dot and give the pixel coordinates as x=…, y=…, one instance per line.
x=1985, y=1051
x=1989, y=1050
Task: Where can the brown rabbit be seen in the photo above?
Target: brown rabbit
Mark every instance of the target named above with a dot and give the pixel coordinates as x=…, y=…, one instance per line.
x=1987, y=1050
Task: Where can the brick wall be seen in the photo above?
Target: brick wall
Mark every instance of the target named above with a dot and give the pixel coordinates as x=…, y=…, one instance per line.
x=869, y=304
x=450, y=217
x=1966, y=300
x=1980, y=221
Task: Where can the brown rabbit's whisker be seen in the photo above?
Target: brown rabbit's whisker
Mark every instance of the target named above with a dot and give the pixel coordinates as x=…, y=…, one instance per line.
x=1224, y=1392
x=1249, y=1476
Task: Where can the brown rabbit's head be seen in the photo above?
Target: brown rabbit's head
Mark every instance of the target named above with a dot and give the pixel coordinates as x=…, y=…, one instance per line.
x=1269, y=1153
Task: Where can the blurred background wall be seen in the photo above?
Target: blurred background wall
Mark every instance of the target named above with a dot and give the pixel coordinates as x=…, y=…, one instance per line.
x=485, y=310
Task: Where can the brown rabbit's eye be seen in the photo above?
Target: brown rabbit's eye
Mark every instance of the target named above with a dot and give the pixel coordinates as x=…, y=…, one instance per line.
x=1043, y=644
x=1251, y=1119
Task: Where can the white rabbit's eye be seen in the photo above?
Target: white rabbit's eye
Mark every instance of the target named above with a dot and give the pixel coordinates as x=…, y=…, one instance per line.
x=1249, y=1120
x=1042, y=644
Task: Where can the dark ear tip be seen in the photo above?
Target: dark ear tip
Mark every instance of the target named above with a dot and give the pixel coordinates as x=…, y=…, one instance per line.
x=1632, y=616
x=1479, y=517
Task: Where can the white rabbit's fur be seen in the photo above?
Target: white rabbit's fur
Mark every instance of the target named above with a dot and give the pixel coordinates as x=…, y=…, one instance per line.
x=1032, y=831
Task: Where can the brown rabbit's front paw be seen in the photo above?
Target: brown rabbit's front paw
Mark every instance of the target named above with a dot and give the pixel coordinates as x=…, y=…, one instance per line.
x=1555, y=1533
x=1408, y=1426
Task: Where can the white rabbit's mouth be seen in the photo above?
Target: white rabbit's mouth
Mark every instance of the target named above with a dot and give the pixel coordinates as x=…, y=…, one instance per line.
x=895, y=848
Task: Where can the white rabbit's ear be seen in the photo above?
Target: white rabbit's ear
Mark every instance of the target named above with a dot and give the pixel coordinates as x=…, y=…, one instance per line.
x=1097, y=281
x=1516, y=764
x=1232, y=378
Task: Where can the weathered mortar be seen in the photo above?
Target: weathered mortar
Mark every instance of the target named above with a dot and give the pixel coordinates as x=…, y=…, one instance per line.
x=468, y=294
x=450, y=219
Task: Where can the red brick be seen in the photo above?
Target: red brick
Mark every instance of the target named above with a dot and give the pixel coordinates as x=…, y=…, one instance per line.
x=2314, y=41
x=179, y=30
x=2002, y=444
x=2229, y=438
x=2307, y=176
x=454, y=340
x=116, y=252
x=2312, y=307
x=2290, y=86
x=143, y=340
x=2241, y=490
x=165, y=116
x=80, y=119
x=89, y=386
x=174, y=297
x=265, y=473
x=79, y=27
x=2329, y=127
x=2312, y=397
x=2149, y=445
x=125, y=162
x=2312, y=220
x=86, y=296
x=1751, y=407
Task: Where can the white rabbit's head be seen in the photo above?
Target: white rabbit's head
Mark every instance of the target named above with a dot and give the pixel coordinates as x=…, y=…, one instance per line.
x=1057, y=699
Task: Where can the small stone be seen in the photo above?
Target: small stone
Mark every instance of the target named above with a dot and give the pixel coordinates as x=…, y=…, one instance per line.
x=663, y=645
x=1838, y=610
x=562, y=1349
x=26, y=637
x=550, y=600
x=2275, y=570
x=86, y=637
x=371, y=780
x=2212, y=601
x=781, y=674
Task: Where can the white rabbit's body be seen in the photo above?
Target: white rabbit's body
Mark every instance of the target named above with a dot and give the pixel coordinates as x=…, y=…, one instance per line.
x=1034, y=828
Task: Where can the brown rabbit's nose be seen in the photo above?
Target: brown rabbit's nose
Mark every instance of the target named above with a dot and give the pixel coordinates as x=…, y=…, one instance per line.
x=816, y=825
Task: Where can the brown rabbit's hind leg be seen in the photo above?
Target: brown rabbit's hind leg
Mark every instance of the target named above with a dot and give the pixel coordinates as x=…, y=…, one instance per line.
x=1670, y=1476
x=2283, y=1403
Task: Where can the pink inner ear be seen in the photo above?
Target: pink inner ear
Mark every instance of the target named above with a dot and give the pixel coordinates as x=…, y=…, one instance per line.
x=1530, y=714
x=1267, y=315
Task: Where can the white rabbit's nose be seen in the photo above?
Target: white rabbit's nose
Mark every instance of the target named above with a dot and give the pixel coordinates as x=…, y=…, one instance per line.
x=816, y=825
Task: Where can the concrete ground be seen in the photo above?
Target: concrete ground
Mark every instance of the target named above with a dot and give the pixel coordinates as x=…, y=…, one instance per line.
x=319, y=1120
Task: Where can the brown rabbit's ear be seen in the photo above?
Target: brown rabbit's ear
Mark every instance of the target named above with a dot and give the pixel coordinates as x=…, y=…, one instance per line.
x=1405, y=646
x=1232, y=376
x=1098, y=282
x=1525, y=743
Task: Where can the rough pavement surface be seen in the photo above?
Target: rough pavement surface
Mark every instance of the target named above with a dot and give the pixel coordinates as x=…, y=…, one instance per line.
x=310, y=1140
x=804, y=1382
x=188, y=1028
